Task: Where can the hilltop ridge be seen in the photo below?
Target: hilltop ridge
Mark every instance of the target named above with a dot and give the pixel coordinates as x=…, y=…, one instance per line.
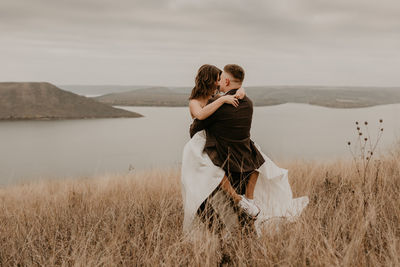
x=327, y=96
x=43, y=100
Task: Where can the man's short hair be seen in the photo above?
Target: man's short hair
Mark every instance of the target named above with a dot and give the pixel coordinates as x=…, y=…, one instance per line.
x=236, y=71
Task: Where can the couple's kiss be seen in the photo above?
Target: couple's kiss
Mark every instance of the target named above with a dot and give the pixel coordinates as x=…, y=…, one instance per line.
x=220, y=155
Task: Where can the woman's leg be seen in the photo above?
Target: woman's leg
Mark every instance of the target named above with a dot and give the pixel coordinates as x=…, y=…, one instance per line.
x=227, y=187
x=251, y=185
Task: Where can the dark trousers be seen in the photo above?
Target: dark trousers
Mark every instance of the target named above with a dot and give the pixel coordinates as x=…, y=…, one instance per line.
x=239, y=180
x=207, y=214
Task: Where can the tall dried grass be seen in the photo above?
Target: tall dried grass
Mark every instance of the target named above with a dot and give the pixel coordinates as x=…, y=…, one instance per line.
x=136, y=219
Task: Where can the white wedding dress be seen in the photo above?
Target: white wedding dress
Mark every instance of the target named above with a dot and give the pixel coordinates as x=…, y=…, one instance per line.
x=199, y=178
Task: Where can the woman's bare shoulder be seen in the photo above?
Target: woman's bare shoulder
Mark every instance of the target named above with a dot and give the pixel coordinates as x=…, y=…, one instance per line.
x=197, y=102
x=194, y=101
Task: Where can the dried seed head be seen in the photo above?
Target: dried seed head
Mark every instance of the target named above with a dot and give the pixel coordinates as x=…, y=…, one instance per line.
x=367, y=158
x=372, y=153
x=358, y=128
x=381, y=129
x=366, y=123
x=360, y=133
x=365, y=139
x=348, y=143
x=356, y=122
x=380, y=120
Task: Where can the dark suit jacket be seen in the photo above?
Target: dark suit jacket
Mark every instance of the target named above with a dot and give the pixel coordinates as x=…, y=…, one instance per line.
x=228, y=141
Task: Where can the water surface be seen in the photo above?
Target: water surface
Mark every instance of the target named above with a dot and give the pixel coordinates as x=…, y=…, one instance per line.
x=73, y=148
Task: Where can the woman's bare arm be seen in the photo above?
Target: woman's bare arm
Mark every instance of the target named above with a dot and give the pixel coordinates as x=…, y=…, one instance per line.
x=201, y=113
x=241, y=93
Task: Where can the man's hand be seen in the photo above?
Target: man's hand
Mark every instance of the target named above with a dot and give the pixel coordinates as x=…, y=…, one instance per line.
x=240, y=93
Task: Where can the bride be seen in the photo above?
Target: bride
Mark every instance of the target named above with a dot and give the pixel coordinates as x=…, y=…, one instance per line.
x=267, y=193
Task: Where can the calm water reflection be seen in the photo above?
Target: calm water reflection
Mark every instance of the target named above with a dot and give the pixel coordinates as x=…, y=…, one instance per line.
x=57, y=149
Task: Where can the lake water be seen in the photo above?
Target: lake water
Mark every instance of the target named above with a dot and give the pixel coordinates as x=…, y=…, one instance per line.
x=75, y=148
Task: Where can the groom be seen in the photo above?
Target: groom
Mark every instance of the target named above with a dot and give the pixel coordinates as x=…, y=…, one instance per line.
x=228, y=141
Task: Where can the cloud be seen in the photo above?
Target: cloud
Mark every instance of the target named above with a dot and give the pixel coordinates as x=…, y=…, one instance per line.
x=330, y=36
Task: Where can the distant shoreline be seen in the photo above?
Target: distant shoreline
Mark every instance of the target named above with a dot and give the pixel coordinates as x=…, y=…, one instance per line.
x=333, y=97
x=45, y=102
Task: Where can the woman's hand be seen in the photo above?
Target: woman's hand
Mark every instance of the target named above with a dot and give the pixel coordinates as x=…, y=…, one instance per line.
x=240, y=93
x=230, y=99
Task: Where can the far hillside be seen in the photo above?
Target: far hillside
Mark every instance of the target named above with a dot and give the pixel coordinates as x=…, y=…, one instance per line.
x=327, y=96
x=42, y=100
x=154, y=96
x=97, y=90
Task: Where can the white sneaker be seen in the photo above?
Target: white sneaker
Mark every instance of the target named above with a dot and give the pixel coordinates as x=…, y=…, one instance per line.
x=252, y=202
x=249, y=200
x=249, y=207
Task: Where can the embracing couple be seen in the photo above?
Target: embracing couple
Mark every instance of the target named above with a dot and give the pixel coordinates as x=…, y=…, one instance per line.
x=227, y=182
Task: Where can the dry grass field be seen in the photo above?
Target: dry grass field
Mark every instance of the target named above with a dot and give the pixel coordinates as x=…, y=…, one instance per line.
x=136, y=219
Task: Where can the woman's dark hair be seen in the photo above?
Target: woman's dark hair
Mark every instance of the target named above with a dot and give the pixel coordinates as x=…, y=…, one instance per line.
x=205, y=85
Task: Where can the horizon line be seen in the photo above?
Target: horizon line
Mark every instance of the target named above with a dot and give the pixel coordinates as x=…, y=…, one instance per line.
x=189, y=86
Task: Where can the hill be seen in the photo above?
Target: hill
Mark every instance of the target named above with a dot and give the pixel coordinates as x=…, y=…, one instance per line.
x=97, y=90
x=154, y=96
x=328, y=96
x=34, y=100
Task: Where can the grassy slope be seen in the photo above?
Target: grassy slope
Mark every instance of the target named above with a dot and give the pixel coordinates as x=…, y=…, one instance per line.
x=136, y=219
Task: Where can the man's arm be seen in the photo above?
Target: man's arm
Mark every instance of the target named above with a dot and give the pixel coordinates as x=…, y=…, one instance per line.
x=199, y=125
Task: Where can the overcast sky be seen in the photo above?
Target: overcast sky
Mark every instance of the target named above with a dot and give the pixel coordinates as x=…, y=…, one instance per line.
x=149, y=42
